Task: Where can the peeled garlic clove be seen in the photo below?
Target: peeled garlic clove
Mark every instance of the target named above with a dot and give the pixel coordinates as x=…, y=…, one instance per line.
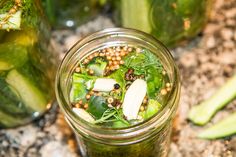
x=134, y=98
x=104, y=84
x=83, y=114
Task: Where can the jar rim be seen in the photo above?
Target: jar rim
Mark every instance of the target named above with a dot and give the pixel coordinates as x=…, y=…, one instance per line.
x=118, y=133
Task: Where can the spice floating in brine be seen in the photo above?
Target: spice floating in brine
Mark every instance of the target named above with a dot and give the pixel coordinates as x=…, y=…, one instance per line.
x=118, y=86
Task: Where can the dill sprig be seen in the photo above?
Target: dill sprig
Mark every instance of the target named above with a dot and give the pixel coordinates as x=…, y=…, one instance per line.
x=111, y=115
x=30, y=11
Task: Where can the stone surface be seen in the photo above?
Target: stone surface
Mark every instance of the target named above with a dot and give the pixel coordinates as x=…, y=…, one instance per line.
x=205, y=64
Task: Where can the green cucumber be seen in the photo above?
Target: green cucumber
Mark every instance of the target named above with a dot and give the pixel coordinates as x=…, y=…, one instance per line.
x=10, y=102
x=136, y=14
x=203, y=112
x=5, y=66
x=13, y=22
x=31, y=96
x=152, y=108
x=97, y=106
x=224, y=128
x=9, y=120
x=12, y=55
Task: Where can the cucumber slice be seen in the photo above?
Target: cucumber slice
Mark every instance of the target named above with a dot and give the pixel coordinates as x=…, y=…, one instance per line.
x=225, y=127
x=13, y=22
x=136, y=14
x=31, y=96
x=7, y=121
x=152, y=108
x=12, y=55
x=10, y=102
x=23, y=37
x=203, y=112
x=5, y=66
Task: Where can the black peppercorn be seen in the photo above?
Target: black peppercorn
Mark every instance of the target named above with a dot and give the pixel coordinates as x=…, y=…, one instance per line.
x=116, y=86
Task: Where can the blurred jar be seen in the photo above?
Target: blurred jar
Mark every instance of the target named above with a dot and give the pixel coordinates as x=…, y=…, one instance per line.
x=27, y=65
x=71, y=13
x=171, y=21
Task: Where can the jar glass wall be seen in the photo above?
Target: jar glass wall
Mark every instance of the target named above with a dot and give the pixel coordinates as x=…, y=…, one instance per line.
x=171, y=21
x=149, y=138
x=27, y=65
x=70, y=14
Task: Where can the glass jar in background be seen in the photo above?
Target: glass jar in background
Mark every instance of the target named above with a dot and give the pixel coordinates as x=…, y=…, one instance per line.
x=171, y=21
x=27, y=64
x=71, y=13
x=150, y=138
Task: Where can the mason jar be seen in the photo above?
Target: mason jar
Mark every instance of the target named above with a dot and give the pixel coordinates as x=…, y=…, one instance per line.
x=150, y=138
x=27, y=63
x=70, y=13
x=171, y=21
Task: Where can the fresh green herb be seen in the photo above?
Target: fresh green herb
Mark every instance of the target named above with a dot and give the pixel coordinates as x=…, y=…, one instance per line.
x=78, y=89
x=119, y=76
x=6, y=5
x=154, y=81
x=107, y=116
x=98, y=66
x=147, y=64
x=141, y=62
x=113, y=115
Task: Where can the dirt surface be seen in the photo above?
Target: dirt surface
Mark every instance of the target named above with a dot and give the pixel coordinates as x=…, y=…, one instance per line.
x=205, y=64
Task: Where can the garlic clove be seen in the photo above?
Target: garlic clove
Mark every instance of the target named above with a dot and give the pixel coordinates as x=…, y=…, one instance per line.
x=104, y=84
x=83, y=114
x=134, y=98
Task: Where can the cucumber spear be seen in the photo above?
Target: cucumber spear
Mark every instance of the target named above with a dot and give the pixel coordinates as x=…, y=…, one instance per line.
x=225, y=127
x=203, y=112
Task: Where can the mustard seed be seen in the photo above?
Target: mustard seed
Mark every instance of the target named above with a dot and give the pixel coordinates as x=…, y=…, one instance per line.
x=168, y=89
x=81, y=102
x=77, y=69
x=122, y=53
x=122, y=62
x=109, y=57
x=141, y=108
x=163, y=91
x=118, y=58
x=91, y=72
x=88, y=96
x=86, y=106
x=167, y=84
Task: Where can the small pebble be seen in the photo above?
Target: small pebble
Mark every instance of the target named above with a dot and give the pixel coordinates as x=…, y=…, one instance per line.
x=226, y=33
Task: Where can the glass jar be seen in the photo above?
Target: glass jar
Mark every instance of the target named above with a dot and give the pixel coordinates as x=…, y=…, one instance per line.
x=27, y=66
x=170, y=21
x=150, y=138
x=70, y=13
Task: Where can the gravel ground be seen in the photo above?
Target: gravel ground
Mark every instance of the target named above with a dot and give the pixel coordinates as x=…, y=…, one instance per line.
x=205, y=64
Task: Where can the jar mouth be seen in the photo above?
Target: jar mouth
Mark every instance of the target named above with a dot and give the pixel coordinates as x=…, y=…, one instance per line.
x=104, y=38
